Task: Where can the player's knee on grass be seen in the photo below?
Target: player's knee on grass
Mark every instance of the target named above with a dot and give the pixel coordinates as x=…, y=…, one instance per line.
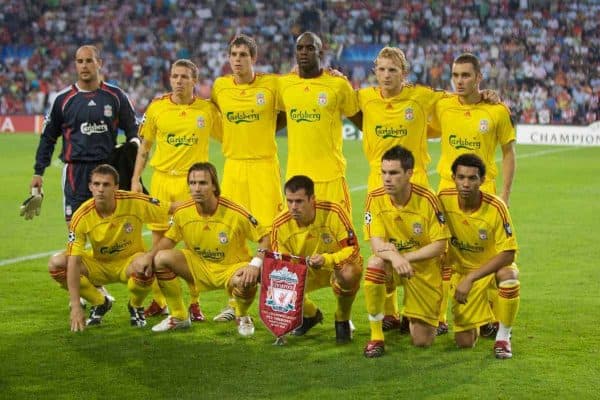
x=422, y=334
x=466, y=339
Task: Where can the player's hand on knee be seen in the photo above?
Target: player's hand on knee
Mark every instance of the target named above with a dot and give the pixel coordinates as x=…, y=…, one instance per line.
x=142, y=265
x=248, y=276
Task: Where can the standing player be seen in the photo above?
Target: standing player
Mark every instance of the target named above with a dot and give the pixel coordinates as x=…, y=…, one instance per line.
x=251, y=175
x=407, y=232
x=395, y=113
x=466, y=124
x=314, y=102
x=88, y=115
x=322, y=231
x=482, y=252
x=180, y=124
x=216, y=256
x=111, y=222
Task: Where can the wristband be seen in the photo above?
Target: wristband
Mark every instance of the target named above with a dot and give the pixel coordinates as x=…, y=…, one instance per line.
x=256, y=262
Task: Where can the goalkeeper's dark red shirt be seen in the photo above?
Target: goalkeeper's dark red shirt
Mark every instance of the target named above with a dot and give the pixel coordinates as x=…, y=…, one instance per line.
x=88, y=122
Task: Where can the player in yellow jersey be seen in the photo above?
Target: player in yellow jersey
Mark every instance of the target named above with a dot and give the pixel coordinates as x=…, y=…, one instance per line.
x=466, y=124
x=246, y=99
x=180, y=124
x=322, y=231
x=395, y=113
x=251, y=175
x=111, y=222
x=314, y=102
x=482, y=252
x=407, y=232
x=215, y=231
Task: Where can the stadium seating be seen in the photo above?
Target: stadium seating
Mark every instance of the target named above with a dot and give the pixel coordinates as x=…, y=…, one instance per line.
x=543, y=58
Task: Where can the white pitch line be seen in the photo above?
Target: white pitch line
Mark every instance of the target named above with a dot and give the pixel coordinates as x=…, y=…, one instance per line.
x=16, y=260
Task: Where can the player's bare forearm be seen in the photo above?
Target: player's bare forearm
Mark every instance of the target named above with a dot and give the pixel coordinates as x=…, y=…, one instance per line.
x=500, y=260
x=357, y=120
x=431, y=250
x=163, y=244
x=509, y=166
x=73, y=277
x=281, y=120
x=141, y=160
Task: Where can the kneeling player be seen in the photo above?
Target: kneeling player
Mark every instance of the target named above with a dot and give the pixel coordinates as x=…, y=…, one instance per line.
x=216, y=256
x=111, y=221
x=322, y=231
x=482, y=251
x=407, y=232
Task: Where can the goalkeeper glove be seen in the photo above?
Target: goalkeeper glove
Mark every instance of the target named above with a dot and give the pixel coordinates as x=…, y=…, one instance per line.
x=32, y=205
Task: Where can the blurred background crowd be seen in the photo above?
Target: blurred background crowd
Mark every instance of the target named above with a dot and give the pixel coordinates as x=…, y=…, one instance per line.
x=542, y=56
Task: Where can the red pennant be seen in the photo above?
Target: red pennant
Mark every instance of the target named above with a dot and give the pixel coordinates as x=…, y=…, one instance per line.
x=283, y=279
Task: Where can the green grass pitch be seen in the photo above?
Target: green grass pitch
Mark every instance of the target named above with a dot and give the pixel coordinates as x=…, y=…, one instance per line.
x=555, y=340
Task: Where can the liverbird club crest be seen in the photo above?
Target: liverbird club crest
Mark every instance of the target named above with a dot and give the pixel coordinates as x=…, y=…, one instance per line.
x=260, y=99
x=322, y=98
x=484, y=126
x=281, y=294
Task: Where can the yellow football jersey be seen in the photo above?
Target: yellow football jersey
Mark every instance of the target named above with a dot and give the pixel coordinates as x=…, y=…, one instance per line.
x=219, y=238
x=249, y=116
x=417, y=223
x=331, y=234
x=399, y=120
x=479, y=236
x=181, y=132
x=120, y=235
x=314, y=109
x=471, y=128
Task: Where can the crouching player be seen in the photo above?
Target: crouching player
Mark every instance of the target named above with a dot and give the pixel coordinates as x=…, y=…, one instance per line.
x=407, y=232
x=322, y=231
x=111, y=221
x=215, y=231
x=482, y=251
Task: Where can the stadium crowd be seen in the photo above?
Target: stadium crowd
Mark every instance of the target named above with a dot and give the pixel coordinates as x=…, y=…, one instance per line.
x=541, y=56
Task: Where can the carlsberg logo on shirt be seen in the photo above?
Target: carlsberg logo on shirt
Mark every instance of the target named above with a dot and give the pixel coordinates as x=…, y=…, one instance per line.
x=115, y=248
x=184, y=140
x=304, y=116
x=459, y=143
x=89, y=128
x=386, y=132
x=238, y=117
